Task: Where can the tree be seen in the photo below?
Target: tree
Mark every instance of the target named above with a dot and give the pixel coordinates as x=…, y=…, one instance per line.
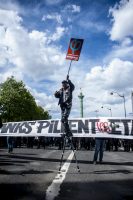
x=41, y=114
x=17, y=104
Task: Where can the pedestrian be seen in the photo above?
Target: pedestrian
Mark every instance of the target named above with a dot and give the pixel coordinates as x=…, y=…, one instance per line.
x=10, y=143
x=65, y=102
x=99, y=149
x=1, y=124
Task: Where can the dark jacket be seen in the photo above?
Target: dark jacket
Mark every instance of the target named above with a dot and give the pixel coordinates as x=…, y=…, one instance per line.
x=65, y=95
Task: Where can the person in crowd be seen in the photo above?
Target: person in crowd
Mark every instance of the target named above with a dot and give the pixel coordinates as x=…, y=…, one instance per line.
x=99, y=149
x=10, y=143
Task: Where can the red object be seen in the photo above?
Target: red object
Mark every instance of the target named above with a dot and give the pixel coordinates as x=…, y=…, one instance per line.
x=74, y=49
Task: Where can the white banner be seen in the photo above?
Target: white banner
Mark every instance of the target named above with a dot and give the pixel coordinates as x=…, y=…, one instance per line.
x=80, y=127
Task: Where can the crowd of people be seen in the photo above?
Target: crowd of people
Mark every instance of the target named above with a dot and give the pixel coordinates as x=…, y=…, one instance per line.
x=79, y=143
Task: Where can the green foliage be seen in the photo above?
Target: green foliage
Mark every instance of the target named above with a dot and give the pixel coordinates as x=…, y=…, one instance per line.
x=17, y=104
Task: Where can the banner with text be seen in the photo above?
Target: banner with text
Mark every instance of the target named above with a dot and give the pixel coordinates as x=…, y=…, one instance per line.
x=80, y=127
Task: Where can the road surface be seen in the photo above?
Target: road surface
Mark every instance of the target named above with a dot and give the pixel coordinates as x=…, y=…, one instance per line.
x=32, y=174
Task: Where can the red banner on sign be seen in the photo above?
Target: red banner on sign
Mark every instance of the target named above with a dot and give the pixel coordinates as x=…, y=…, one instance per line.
x=74, y=49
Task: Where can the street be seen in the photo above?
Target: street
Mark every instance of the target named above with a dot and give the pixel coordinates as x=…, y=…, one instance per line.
x=32, y=174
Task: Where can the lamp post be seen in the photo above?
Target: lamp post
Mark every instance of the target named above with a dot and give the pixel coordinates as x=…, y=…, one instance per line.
x=123, y=100
x=81, y=96
x=108, y=109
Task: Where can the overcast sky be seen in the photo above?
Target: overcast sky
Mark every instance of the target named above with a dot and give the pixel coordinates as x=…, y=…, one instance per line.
x=34, y=38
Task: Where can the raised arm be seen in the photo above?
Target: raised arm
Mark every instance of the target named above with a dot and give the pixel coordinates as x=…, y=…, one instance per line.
x=72, y=86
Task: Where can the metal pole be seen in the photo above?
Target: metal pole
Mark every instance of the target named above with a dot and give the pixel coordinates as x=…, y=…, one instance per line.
x=123, y=101
x=81, y=96
x=69, y=67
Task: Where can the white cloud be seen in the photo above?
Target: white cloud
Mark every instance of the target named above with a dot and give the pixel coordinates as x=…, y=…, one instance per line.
x=55, y=16
x=126, y=42
x=9, y=18
x=58, y=33
x=30, y=52
x=75, y=8
x=72, y=8
x=48, y=102
x=122, y=15
x=123, y=50
x=63, y=16
x=99, y=82
x=31, y=55
x=116, y=76
x=10, y=5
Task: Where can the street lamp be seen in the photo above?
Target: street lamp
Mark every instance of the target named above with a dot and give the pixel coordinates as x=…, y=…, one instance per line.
x=81, y=96
x=123, y=100
x=108, y=109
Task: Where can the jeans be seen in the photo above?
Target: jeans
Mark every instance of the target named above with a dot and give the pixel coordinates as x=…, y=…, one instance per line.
x=65, y=111
x=10, y=144
x=99, y=149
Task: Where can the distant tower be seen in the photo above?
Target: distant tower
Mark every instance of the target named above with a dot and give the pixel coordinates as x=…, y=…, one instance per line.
x=81, y=96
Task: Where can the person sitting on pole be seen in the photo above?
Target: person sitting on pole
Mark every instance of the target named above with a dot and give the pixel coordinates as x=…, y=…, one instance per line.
x=65, y=102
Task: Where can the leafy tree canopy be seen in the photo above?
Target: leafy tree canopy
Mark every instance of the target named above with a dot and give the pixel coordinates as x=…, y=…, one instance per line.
x=17, y=103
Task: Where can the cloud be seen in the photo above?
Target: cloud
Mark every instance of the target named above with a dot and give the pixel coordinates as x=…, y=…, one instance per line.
x=31, y=57
x=54, y=16
x=58, y=33
x=9, y=18
x=122, y=50
x=10, y=5
x=30, y=52
x=42, y=98
x=64, y=15
x=116, y=76
x=72, y=8
x=122, y=15
x=99, y=82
